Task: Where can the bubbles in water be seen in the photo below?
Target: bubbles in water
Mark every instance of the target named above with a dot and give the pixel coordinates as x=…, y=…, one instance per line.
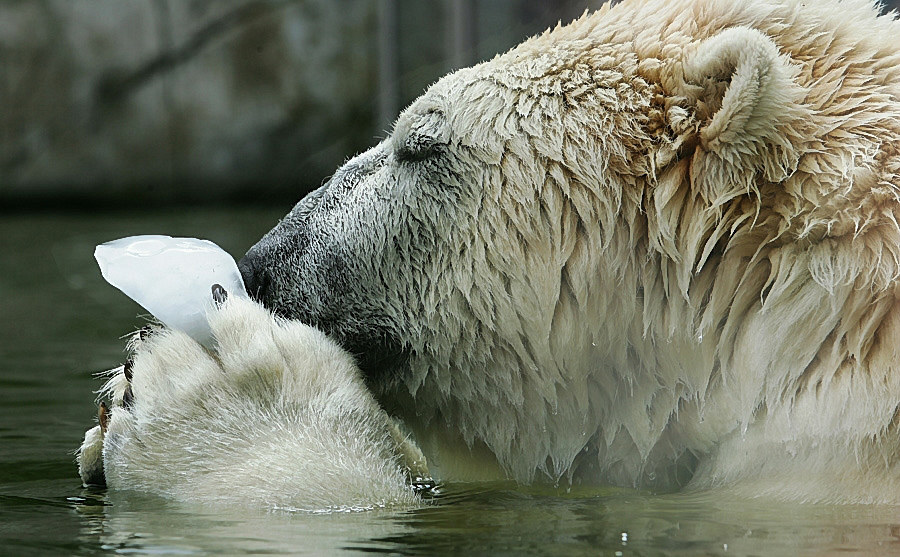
x=172, y=278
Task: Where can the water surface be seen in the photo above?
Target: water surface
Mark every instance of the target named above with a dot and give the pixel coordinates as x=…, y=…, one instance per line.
x=59, y=322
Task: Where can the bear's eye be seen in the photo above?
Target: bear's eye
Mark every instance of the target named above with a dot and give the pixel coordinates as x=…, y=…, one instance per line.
x=417, y=148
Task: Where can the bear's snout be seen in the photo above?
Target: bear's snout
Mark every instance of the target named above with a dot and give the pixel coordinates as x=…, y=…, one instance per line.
x=256, y=278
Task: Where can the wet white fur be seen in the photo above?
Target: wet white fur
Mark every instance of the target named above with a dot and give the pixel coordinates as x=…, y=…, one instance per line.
x=276, y=416
x=674, y=242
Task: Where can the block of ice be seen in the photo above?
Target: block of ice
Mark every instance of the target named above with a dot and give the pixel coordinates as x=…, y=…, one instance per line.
x=172, y=278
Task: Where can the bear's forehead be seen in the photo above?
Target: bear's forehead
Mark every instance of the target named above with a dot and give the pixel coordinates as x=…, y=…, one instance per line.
x=550, y=74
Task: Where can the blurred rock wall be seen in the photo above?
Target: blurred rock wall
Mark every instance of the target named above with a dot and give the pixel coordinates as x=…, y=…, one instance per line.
x=152, y=100
x=130, y=102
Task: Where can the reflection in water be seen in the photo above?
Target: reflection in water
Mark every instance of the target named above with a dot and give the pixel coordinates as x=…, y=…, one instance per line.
x=60, y=322
x=537, y=521
x=130, y=522
x=498, y=518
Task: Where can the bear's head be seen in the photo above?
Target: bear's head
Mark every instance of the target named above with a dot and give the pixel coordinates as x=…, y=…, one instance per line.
x=565, y=223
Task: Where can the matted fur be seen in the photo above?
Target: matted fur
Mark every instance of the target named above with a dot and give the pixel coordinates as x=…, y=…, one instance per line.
x=655, y=246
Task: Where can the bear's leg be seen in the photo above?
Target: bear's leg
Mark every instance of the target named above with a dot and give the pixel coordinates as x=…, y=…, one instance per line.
x=273, y=415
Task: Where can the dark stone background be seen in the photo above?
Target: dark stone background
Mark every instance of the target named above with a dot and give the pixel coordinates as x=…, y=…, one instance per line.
x=150, y=102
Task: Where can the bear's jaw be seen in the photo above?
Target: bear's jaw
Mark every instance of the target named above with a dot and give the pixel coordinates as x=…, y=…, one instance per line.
x=380, y=356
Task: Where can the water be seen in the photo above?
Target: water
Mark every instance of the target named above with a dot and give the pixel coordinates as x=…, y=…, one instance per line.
x=59, y=321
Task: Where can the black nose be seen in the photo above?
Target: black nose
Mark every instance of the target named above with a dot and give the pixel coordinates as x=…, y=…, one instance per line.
x=256, y=278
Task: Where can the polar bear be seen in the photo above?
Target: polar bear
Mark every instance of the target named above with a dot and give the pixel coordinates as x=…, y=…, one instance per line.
x=656, y=247
x=275, y=417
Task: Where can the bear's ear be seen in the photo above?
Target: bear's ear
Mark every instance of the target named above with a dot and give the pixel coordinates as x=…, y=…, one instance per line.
x=748, y=109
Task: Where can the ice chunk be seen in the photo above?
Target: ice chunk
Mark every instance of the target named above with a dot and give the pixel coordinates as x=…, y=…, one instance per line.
x=172, y=278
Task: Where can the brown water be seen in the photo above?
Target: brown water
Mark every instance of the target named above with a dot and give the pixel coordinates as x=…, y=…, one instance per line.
x=59, y=322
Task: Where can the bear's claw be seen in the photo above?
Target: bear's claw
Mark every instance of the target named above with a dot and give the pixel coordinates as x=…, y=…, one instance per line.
x=219, y=294
x=128, y=398
x=144, y=332
x=103, y=416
